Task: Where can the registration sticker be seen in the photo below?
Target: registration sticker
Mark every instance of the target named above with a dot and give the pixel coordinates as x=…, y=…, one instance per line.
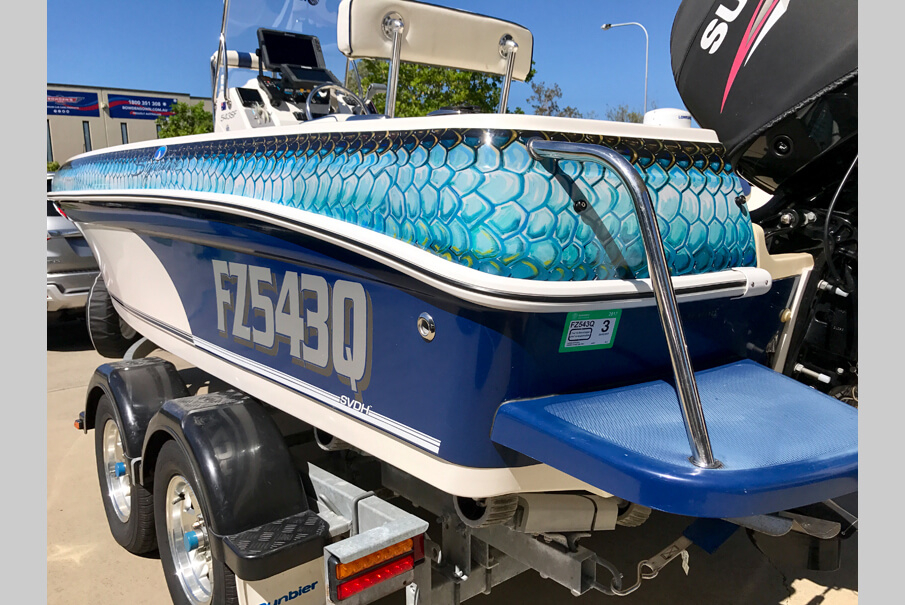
x=589, y=330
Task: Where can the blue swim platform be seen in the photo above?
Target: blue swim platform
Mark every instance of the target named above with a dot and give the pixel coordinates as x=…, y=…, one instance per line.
x=782, y=444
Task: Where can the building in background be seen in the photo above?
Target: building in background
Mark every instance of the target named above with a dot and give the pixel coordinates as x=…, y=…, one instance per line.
x=82, y=118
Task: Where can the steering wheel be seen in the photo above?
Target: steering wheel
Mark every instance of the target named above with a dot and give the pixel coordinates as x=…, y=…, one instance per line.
x=342, y=90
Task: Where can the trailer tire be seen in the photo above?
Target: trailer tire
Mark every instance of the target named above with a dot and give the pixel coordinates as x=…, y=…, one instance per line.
x=632, y=515
x=485, y=512
x=110, y=335
x=177, y=500
x=129, y=507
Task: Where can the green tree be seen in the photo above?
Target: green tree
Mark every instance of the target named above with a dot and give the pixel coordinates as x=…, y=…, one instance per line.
x=423, y=88
x=545, y=101
x=186, y=119
x=622, y=113
x=53, y=166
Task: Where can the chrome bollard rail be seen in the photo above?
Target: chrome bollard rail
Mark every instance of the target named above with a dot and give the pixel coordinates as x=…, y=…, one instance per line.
x=686, y=386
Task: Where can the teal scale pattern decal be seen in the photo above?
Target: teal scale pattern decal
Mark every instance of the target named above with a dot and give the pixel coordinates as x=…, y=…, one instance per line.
x=474, y=197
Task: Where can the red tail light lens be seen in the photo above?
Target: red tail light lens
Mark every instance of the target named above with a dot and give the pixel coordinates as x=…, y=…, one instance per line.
x=347, y=589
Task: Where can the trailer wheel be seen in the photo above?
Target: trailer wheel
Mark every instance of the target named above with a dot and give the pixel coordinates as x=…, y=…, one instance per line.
x=194, y=576
x=632, y=515
x=485, y=512
x=129, y=508
x=110, y=335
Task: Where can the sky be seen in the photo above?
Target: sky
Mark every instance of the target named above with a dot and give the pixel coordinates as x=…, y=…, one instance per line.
x=166, y=45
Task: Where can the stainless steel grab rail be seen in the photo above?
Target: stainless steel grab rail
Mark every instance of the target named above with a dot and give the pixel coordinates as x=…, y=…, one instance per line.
x=686, y=386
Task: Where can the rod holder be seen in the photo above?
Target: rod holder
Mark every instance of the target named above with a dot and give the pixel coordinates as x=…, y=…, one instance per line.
x=668, y=308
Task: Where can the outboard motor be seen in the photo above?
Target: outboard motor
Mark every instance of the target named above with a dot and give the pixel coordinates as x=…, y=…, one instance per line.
x=778, y=81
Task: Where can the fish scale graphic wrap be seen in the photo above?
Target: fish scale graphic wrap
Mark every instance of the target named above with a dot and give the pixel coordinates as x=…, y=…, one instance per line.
x=474, y=197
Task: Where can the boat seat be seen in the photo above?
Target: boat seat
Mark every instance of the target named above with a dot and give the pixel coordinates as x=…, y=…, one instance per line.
x=433, y=35
x=781, y=444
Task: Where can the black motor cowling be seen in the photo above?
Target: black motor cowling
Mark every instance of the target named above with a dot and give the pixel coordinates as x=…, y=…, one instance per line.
x=776, y=79
x=778, y=82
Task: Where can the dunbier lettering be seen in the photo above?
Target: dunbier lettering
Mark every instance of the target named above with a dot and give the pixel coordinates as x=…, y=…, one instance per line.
x=293, y=594
x=327, y=328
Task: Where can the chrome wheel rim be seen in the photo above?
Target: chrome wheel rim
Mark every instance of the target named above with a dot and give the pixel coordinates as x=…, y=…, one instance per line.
x=119, y=489
x=185, y=521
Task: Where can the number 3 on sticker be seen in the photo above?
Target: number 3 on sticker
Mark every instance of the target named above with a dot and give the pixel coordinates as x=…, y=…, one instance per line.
x=588, y=330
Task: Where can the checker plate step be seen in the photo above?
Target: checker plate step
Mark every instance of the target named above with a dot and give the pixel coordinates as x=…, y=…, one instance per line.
x=274, y=547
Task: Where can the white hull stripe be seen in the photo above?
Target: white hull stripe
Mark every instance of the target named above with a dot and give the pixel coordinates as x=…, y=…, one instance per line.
x=389, y=425
x=176, y=332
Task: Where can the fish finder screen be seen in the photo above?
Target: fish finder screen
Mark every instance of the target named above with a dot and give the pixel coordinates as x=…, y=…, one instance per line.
x=310, y=76
x=287, y=48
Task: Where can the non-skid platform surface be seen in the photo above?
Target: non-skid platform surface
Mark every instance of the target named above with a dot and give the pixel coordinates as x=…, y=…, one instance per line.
x=782, y=444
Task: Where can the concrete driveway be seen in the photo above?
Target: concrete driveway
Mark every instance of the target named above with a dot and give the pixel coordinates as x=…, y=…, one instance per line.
x=86, y=566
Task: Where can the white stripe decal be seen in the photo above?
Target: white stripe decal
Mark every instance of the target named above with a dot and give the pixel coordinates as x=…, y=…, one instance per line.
x=778, y=12
x=389, y=425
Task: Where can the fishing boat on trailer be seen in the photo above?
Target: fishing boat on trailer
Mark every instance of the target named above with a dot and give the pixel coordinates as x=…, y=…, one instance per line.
x=495, y=304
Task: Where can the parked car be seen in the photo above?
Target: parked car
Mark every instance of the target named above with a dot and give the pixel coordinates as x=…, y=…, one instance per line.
x=71, y=267
x=76, y=289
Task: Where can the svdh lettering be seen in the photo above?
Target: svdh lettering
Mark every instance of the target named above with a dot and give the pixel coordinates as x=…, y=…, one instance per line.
x=292, y=594
x=355, y=405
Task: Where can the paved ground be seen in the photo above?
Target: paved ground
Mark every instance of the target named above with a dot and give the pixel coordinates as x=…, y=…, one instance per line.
x=86, y=566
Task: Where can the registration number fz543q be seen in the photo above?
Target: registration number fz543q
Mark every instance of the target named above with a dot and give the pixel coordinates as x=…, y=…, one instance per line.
x=323, y=327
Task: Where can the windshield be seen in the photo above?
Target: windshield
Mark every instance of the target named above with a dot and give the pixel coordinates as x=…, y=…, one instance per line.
x=310, y=17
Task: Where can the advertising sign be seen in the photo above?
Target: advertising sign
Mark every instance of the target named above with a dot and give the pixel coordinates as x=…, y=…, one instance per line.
x=72, y=103
x=133, y=107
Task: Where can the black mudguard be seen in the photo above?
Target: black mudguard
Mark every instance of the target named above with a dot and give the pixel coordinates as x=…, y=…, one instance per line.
x=138, y=389
x=239, y=457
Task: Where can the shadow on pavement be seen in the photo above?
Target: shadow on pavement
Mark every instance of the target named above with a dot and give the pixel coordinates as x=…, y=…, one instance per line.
x=68, y=335
x=827, y=563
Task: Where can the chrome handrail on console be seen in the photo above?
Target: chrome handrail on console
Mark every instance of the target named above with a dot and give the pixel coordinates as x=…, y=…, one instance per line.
x=686, y=386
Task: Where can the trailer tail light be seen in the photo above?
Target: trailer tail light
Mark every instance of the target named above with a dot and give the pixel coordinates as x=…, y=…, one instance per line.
x=346, y=570
x=351, y=578
x=391, y=570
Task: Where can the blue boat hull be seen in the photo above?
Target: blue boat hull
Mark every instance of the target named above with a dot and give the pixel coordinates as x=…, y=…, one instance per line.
x=431, y=297
x=369, y=360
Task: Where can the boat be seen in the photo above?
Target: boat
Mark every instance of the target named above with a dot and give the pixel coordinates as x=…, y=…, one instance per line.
x=495, y=304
